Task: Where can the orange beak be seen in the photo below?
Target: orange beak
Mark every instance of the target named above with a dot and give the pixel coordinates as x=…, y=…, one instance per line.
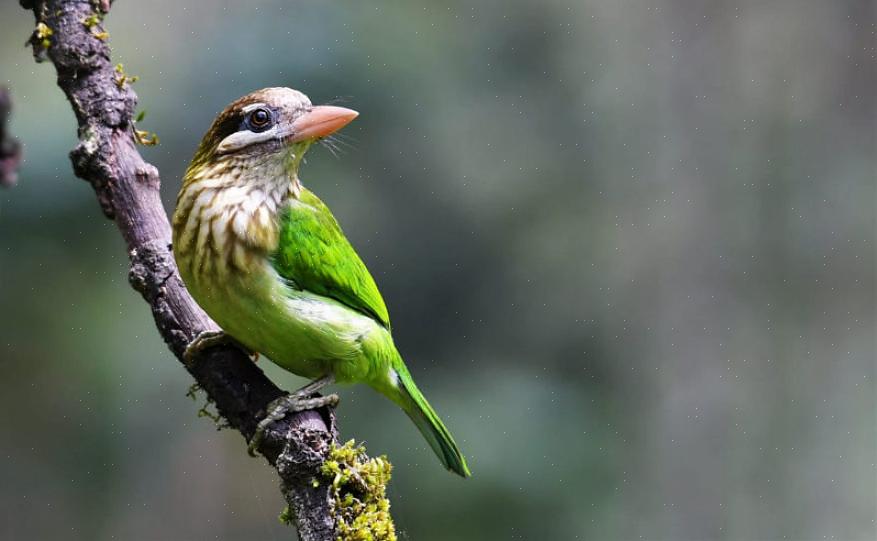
x=321, y=121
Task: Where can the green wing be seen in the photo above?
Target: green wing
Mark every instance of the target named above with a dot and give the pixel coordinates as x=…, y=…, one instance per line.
x=313, y=254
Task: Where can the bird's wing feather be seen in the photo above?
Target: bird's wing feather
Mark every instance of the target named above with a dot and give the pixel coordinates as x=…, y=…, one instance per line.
x=314, y=255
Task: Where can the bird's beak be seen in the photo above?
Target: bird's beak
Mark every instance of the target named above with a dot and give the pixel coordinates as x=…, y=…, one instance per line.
x=321, y=121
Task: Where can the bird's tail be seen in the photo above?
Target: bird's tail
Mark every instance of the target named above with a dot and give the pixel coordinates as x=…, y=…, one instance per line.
x=429, y=424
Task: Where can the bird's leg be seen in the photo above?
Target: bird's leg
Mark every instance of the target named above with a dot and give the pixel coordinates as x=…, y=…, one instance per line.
x=208, y=339
x=299, y=400
x=313, y=387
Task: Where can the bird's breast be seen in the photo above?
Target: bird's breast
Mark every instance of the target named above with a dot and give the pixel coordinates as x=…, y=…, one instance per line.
x=224, y=232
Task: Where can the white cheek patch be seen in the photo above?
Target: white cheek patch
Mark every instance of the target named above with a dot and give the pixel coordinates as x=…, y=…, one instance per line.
x=245, y=138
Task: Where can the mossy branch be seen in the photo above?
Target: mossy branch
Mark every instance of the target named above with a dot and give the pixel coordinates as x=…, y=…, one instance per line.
x=71, y=35
x=359, y=493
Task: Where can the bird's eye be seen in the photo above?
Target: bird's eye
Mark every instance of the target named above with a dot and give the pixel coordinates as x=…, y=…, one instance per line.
x=259, y=120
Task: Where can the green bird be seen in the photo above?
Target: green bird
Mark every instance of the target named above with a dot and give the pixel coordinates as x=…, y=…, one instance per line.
x=267, y=260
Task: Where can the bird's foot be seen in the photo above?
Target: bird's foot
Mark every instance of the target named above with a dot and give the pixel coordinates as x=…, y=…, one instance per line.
x=300, y=400
x=209, y=339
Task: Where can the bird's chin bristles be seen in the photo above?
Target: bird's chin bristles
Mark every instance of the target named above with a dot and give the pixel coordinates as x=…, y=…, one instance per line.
x=336, y=143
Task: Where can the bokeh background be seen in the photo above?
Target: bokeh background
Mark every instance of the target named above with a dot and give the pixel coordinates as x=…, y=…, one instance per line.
x=628, y=248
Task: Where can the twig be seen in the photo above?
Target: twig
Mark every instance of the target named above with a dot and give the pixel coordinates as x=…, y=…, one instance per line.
x=10, y=148
x=128, y=191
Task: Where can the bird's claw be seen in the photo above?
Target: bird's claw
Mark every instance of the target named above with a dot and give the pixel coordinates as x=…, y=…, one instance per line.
x=300, y=400
x=278, y=409
x=209, y=339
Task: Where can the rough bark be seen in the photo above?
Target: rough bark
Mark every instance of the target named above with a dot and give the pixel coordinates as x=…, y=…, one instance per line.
x=128, y=191
x=10, y=149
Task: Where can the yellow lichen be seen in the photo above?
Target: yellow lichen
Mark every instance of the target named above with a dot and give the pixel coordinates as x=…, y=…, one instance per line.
x=146, y=138
x=43, y=33
x=205, y=411
x=123, y=78
x=286, y=517
x=359, y=485
x=92, y=20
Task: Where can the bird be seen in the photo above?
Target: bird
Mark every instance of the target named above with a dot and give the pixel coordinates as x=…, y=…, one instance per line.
x=267, y=260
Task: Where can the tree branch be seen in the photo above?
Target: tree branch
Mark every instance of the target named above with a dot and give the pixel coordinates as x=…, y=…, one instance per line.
x=69, y=33
x=10, y=149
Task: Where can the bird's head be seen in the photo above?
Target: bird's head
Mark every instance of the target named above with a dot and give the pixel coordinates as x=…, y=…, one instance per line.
x=263, y=133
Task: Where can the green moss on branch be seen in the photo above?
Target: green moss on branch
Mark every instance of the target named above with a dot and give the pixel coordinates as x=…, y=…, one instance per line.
x=359, y=493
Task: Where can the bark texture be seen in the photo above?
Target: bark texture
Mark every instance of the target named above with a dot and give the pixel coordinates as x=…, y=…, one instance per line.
x=69, y=33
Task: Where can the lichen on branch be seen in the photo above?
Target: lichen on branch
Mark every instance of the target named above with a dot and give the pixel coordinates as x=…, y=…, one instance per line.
x=359, y=493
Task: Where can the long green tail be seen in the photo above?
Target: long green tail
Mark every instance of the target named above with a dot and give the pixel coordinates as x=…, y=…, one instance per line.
x=429, y=424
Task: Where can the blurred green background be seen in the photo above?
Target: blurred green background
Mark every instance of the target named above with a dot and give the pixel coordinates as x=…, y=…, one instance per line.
x=628, y=248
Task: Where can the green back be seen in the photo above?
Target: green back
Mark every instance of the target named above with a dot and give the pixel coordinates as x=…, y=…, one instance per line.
x=314, y=255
